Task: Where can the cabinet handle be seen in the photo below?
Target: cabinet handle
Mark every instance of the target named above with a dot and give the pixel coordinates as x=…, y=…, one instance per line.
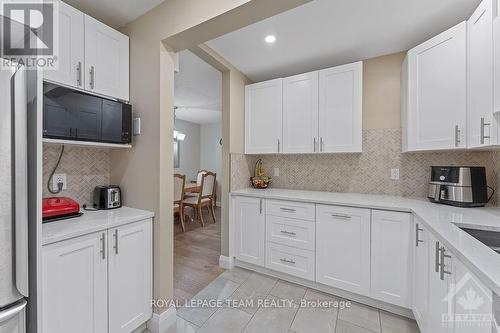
x=342, y=216
x=92, y=77
x=288, y=261
x=314, y=144
x=482, y=130
x=76, y=132
x=279, y=145
x=116, y=241
x=70, y=131
x=321, y=144
x=457, y=136
x=288, y=233
x=443, y=271
x=103, y=244
x=79, y=74
x=417, y=240
x=436, y=255
x=289, y=210
x=260, y=206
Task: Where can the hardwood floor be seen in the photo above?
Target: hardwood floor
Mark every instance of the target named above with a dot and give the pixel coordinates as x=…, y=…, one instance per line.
x=196, y=255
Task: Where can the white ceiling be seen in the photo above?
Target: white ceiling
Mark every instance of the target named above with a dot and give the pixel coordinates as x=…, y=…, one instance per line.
x=326, y=33
x=115, y=13
x=197, y=90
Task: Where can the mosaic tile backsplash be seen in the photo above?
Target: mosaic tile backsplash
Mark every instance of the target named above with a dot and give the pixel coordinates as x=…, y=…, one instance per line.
x=367, y=172
x=84, y=167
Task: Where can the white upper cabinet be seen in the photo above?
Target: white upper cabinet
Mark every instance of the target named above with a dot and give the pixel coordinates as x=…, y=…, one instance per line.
x=482, y=125
x=343, y=248
x=130, y=276
x=496, y=45
x=300, y=113
x=390, y=257
x=106, y=60
x=263, y=117
x=340, y=108
x=317, y=112
x=91, y=55
x=71, y=48
x=434, y=83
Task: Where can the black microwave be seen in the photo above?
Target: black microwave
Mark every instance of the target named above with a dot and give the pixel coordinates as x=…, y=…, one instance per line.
x=70, y=114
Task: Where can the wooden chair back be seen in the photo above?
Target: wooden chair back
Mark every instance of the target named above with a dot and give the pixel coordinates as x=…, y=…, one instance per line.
x=179, y=184
x=199, y=176
x=207, y=188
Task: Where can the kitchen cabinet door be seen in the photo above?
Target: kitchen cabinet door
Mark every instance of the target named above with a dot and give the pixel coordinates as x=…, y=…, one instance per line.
x=75, y=285
x=71, y=48
x=130, y=276
x=421, y=271
x=439, y=288
x=340, y=108
x=482, y=126
x=496, y=44
x=263, y=117
x=300, y=113
x=437, y=92
x=343, y=248
x=470, y=298
x=390, y=257
x=250, y=227
x=106, y=60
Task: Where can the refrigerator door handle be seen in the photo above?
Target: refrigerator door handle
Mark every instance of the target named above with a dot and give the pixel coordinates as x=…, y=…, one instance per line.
x=12, y=311
x=20, y=178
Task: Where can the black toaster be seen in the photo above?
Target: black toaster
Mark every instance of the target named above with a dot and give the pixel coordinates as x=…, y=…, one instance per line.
x=107, y=197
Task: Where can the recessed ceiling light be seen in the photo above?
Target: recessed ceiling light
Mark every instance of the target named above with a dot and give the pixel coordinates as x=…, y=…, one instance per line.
x=270, y=39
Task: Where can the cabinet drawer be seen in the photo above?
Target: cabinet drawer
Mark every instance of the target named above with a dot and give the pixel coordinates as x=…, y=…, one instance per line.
x=291, y=232
x=293, y=209
x=290, y=260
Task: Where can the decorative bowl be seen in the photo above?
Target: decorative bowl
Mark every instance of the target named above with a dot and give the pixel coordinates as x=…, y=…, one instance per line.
x=259, y=183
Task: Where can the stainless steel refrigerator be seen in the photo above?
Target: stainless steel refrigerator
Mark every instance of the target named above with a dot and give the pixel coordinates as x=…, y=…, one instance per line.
x=13, y=200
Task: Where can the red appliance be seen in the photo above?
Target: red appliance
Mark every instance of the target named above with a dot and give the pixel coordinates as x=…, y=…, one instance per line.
x=59, y=208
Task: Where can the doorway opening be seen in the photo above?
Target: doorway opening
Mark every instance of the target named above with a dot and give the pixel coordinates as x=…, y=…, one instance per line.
x=198, y=175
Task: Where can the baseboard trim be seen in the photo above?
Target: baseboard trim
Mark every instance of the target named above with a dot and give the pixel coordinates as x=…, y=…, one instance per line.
x=226, y=262
x=329, y=290
x=161, y=322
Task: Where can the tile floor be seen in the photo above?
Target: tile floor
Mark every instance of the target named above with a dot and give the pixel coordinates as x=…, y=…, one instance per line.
x=291, y=316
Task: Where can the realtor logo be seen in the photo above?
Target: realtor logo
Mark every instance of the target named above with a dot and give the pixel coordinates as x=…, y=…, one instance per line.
x=29, y=33
x=469, y=306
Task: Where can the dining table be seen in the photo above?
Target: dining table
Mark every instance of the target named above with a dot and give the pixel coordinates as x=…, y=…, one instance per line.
x=192, y=188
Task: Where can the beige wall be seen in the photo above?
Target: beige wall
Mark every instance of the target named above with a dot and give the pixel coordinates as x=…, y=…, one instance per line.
x=381, y=91
x=145, y=171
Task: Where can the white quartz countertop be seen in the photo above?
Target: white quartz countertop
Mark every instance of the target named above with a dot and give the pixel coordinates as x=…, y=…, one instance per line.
x=91, y=221
x=443, y=221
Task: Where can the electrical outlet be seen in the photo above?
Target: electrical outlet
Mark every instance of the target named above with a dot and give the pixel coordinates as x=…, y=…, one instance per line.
x=59, y=178
x=395, y=174
x=276, y=172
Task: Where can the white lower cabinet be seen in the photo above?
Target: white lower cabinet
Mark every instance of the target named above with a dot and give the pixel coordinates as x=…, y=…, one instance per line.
x=290, y=260
x=421, y=270
x=75, y=285
x=390, y=257
x=250, y=227
x=343, y=248
x=130, y=276
x=98, y=282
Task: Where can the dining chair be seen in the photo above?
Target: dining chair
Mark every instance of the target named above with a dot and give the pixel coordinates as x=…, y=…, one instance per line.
x=205, y=197
x=179, y=183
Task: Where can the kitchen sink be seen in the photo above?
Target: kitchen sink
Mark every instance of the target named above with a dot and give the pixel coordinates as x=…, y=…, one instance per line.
x=488, y=238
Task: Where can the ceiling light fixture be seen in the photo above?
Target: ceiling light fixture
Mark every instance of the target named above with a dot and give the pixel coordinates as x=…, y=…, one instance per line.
x=270, y=39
